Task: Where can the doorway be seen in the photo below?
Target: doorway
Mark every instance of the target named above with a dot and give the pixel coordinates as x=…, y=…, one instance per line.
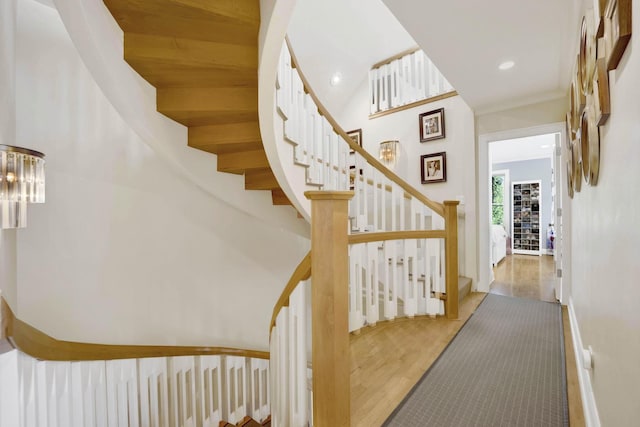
x=487, y=146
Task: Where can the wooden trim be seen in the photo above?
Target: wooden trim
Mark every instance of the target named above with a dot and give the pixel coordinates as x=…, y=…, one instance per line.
x=435, y=206
x=18, y=335
x=329, y=195
x=396, y=235
x=394, y=57
x=302, y=272
x=414, y=104
x=330, y=310
x=451, y=254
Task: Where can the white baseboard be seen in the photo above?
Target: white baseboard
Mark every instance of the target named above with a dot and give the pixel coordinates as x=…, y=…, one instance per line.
x=589, y=407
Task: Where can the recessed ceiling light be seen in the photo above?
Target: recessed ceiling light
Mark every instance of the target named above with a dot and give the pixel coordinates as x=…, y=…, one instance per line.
x=336, y=78
x=506, y=65
x=545, y=146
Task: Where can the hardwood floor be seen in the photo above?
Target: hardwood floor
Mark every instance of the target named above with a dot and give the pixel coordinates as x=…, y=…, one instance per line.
x=385, y=364
x=525, y=276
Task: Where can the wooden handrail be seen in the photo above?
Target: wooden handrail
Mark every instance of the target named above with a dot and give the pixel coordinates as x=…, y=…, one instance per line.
x=302, y=272
x=18, y=335
x=435, y=206
x=396, y=235
x=414, y=104
x=394, y=57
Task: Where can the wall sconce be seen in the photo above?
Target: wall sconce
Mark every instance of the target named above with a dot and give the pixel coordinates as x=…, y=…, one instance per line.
x=389, y=152
x=21, y=182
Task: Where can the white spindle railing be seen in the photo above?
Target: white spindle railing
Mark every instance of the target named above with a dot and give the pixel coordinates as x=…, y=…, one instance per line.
x=394, y=278
x=165, y=391
x=290, y=346
x=405, y=80
x=387, y=279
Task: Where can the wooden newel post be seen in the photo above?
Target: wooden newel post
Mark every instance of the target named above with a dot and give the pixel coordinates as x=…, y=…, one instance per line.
x=330, y=307
x=451, y=254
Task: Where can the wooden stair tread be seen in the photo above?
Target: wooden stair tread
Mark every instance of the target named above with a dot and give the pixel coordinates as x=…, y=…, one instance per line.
x=279, y=198
x=226, y=137
x=236, y=12
x=239, y=162
x=186, y=53
x=260, y=179
x=202, y=58
x=247, y=422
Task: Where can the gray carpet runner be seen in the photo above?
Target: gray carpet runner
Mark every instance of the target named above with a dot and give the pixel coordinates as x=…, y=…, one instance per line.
x=504, y=368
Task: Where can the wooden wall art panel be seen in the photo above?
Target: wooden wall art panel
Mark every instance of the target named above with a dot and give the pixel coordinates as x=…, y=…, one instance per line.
x=617, y=30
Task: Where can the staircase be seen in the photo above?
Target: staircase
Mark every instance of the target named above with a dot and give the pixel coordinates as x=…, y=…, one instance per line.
x=202, y=58
x=247, y=422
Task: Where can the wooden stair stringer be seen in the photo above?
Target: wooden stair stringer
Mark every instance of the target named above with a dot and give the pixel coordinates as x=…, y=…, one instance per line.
x=202, y=58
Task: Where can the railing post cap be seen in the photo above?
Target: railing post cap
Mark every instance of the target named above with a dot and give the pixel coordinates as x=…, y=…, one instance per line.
x=451, y=202
x=329, y=195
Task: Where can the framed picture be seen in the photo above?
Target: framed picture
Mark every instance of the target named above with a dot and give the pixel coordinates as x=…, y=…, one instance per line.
x=356, y=135
x=433, y=167
x=432, y=125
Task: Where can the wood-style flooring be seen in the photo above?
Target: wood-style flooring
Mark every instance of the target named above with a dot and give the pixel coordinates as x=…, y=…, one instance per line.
x=388, y=359
x=525, y=276
x=386, y=363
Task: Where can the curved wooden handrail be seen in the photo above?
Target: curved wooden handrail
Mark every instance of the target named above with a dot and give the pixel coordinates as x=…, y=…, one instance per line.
x=18, y=335
x=435, y=206
x=302, y=272
x=396, y=235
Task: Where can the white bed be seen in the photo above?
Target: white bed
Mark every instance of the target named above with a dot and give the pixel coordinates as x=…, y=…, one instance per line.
x=498, y=243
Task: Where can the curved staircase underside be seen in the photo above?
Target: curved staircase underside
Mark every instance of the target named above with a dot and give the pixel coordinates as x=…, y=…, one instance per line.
x=202, y=58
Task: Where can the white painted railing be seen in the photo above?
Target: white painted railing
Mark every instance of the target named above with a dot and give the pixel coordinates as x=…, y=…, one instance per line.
x=316, y=145
x=382, y=285
x=379, y=203
x=165, y=391
x=387, y=279
x=405, y=80
x=395, y=278
x=290, y=374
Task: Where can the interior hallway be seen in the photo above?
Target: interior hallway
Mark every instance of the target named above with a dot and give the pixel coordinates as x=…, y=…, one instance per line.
x=387, y=360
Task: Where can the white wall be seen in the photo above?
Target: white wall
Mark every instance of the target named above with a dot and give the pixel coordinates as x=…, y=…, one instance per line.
x=459, y=145
x=526, y=116
x=126, y=249
x=606, y=232
x=7, y=137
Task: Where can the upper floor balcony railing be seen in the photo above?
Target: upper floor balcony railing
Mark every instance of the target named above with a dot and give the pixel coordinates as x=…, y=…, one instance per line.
x=407, y=79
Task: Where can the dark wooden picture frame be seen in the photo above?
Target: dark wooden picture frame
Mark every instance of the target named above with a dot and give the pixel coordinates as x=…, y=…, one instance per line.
x=431, y=125
x=617, y=30
x=356, y=135
x=433, y=167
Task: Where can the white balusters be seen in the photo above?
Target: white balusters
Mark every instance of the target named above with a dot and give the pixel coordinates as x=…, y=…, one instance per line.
x=289, y=339
x=122, y=393
x=9, y=389
x=403, y=81
x=160, y=392
x=259, y=394
x=373, y=91
x=89, y=389
x=153, y=374
x=372, y=294
x=28, y=390
x=395, y=278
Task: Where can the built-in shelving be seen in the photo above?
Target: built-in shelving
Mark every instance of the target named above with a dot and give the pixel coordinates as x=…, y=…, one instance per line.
x=525, y=203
